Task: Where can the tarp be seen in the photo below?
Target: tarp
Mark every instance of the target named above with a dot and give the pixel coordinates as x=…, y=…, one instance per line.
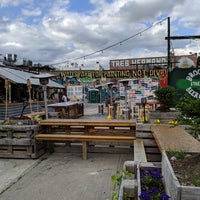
x=21, y=77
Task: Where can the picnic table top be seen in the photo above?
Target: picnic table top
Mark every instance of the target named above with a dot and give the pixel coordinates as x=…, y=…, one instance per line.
x=174, y=138
x=64, y=104
x=89, y=122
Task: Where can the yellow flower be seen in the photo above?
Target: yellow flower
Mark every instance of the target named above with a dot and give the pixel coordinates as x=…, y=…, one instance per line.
x=156, y=121
x=173, y=122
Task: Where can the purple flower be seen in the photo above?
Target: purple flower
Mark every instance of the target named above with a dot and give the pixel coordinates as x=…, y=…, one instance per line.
x=144, y=195
x=154, y=190
x=164, y=197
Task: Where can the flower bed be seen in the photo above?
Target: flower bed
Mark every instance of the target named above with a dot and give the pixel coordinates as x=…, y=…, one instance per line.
x=148, y=182
x=173, y=186
x=151, y=182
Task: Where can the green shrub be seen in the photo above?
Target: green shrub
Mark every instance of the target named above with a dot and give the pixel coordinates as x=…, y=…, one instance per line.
x=189, y=109
x=166, y=96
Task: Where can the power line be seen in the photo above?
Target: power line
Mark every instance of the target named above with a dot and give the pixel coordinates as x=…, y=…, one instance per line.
x=115, y=44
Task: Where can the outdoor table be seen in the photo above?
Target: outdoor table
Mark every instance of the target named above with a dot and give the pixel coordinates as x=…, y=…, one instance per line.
x=69, y=109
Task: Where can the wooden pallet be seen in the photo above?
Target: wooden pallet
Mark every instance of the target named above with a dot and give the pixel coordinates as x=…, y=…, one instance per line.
x=18, y=141
x=85, y=139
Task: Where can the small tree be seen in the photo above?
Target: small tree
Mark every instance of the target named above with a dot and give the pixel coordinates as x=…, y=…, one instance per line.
x=166, y=96
x=190, y=114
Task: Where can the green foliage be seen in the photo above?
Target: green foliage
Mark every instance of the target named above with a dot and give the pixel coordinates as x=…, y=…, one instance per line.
x=189, y=107
x=166, y=96
x=190, y=114
x=117, y=180
x=195, y=179
x=178, y=154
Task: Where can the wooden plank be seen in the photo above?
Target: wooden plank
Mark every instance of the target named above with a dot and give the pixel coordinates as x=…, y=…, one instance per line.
x=175, y=138
x=139, y=151
x=144, y=134
x=102, y=123
x=14, y=141
x=94, y=138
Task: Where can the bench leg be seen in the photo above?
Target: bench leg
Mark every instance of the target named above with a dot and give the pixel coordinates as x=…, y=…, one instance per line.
x=84, y=150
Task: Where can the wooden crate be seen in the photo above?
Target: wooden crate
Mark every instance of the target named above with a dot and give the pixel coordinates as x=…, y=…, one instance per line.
x=18, y=141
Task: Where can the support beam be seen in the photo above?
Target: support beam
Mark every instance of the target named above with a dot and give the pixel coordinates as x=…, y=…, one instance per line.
x=168, y=45
x=183, y=37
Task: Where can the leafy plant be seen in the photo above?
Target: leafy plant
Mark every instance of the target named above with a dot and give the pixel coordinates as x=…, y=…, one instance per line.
x=178, y=154
x=166, y=96
x=195, y=179
x=190, y=114
x=117, y=180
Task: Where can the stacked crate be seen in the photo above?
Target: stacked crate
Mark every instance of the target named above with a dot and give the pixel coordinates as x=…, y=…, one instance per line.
x=18, y=141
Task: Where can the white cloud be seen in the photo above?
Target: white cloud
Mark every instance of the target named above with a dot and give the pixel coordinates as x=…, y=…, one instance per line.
x=33, y=12
x=13, y=2
x=12, y=44
x=61, y=34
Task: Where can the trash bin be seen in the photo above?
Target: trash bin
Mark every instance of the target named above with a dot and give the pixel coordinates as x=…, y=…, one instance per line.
x=93, y=96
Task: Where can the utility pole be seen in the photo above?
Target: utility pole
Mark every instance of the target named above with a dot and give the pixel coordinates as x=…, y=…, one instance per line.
x=169, y=38
x=168, y=45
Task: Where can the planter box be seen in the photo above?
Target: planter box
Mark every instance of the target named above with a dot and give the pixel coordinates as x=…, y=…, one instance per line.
x=18, y=141
x=164, y=117
x=133, y=187
x=173, y=187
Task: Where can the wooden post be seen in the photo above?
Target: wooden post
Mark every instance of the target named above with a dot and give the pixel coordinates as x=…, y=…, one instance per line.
x=84, y=150
x=109, y=113
x=29, y=92
x=6, y=87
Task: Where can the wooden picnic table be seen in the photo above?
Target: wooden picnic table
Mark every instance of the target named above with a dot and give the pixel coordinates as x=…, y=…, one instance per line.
x=174, y=138
x=87, y=130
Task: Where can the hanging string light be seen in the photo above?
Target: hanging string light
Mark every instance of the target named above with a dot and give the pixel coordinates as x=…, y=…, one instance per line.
x=115, y=44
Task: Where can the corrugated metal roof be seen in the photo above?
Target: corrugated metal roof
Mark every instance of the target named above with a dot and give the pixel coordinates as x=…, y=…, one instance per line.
x=21, y=77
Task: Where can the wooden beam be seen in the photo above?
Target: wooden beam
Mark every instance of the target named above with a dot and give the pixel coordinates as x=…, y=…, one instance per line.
x=183, y=37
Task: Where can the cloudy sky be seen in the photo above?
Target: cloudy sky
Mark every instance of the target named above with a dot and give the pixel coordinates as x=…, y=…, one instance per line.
x=57, y=31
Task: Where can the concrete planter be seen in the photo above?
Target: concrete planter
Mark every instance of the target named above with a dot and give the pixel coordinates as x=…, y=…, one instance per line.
x=133, y=187
x=129, y=186
x=173, y=187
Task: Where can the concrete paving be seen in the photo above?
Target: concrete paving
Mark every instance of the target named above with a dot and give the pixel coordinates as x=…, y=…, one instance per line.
x=65, y=176
x=62, y=175
x=12, y=169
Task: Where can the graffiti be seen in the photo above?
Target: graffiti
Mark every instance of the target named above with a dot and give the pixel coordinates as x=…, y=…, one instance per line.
x=120, y=74
x=194, y=83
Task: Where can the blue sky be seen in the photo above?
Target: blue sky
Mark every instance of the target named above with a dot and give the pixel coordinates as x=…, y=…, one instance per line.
x=60, y=31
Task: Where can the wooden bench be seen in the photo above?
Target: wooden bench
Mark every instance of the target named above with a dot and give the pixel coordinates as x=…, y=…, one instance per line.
x=85, y=139
x=139, y=151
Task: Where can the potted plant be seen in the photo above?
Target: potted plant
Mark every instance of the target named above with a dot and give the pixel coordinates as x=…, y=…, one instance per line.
x=166, y=96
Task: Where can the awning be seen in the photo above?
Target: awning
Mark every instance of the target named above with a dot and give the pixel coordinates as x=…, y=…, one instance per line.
x=21, y=77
